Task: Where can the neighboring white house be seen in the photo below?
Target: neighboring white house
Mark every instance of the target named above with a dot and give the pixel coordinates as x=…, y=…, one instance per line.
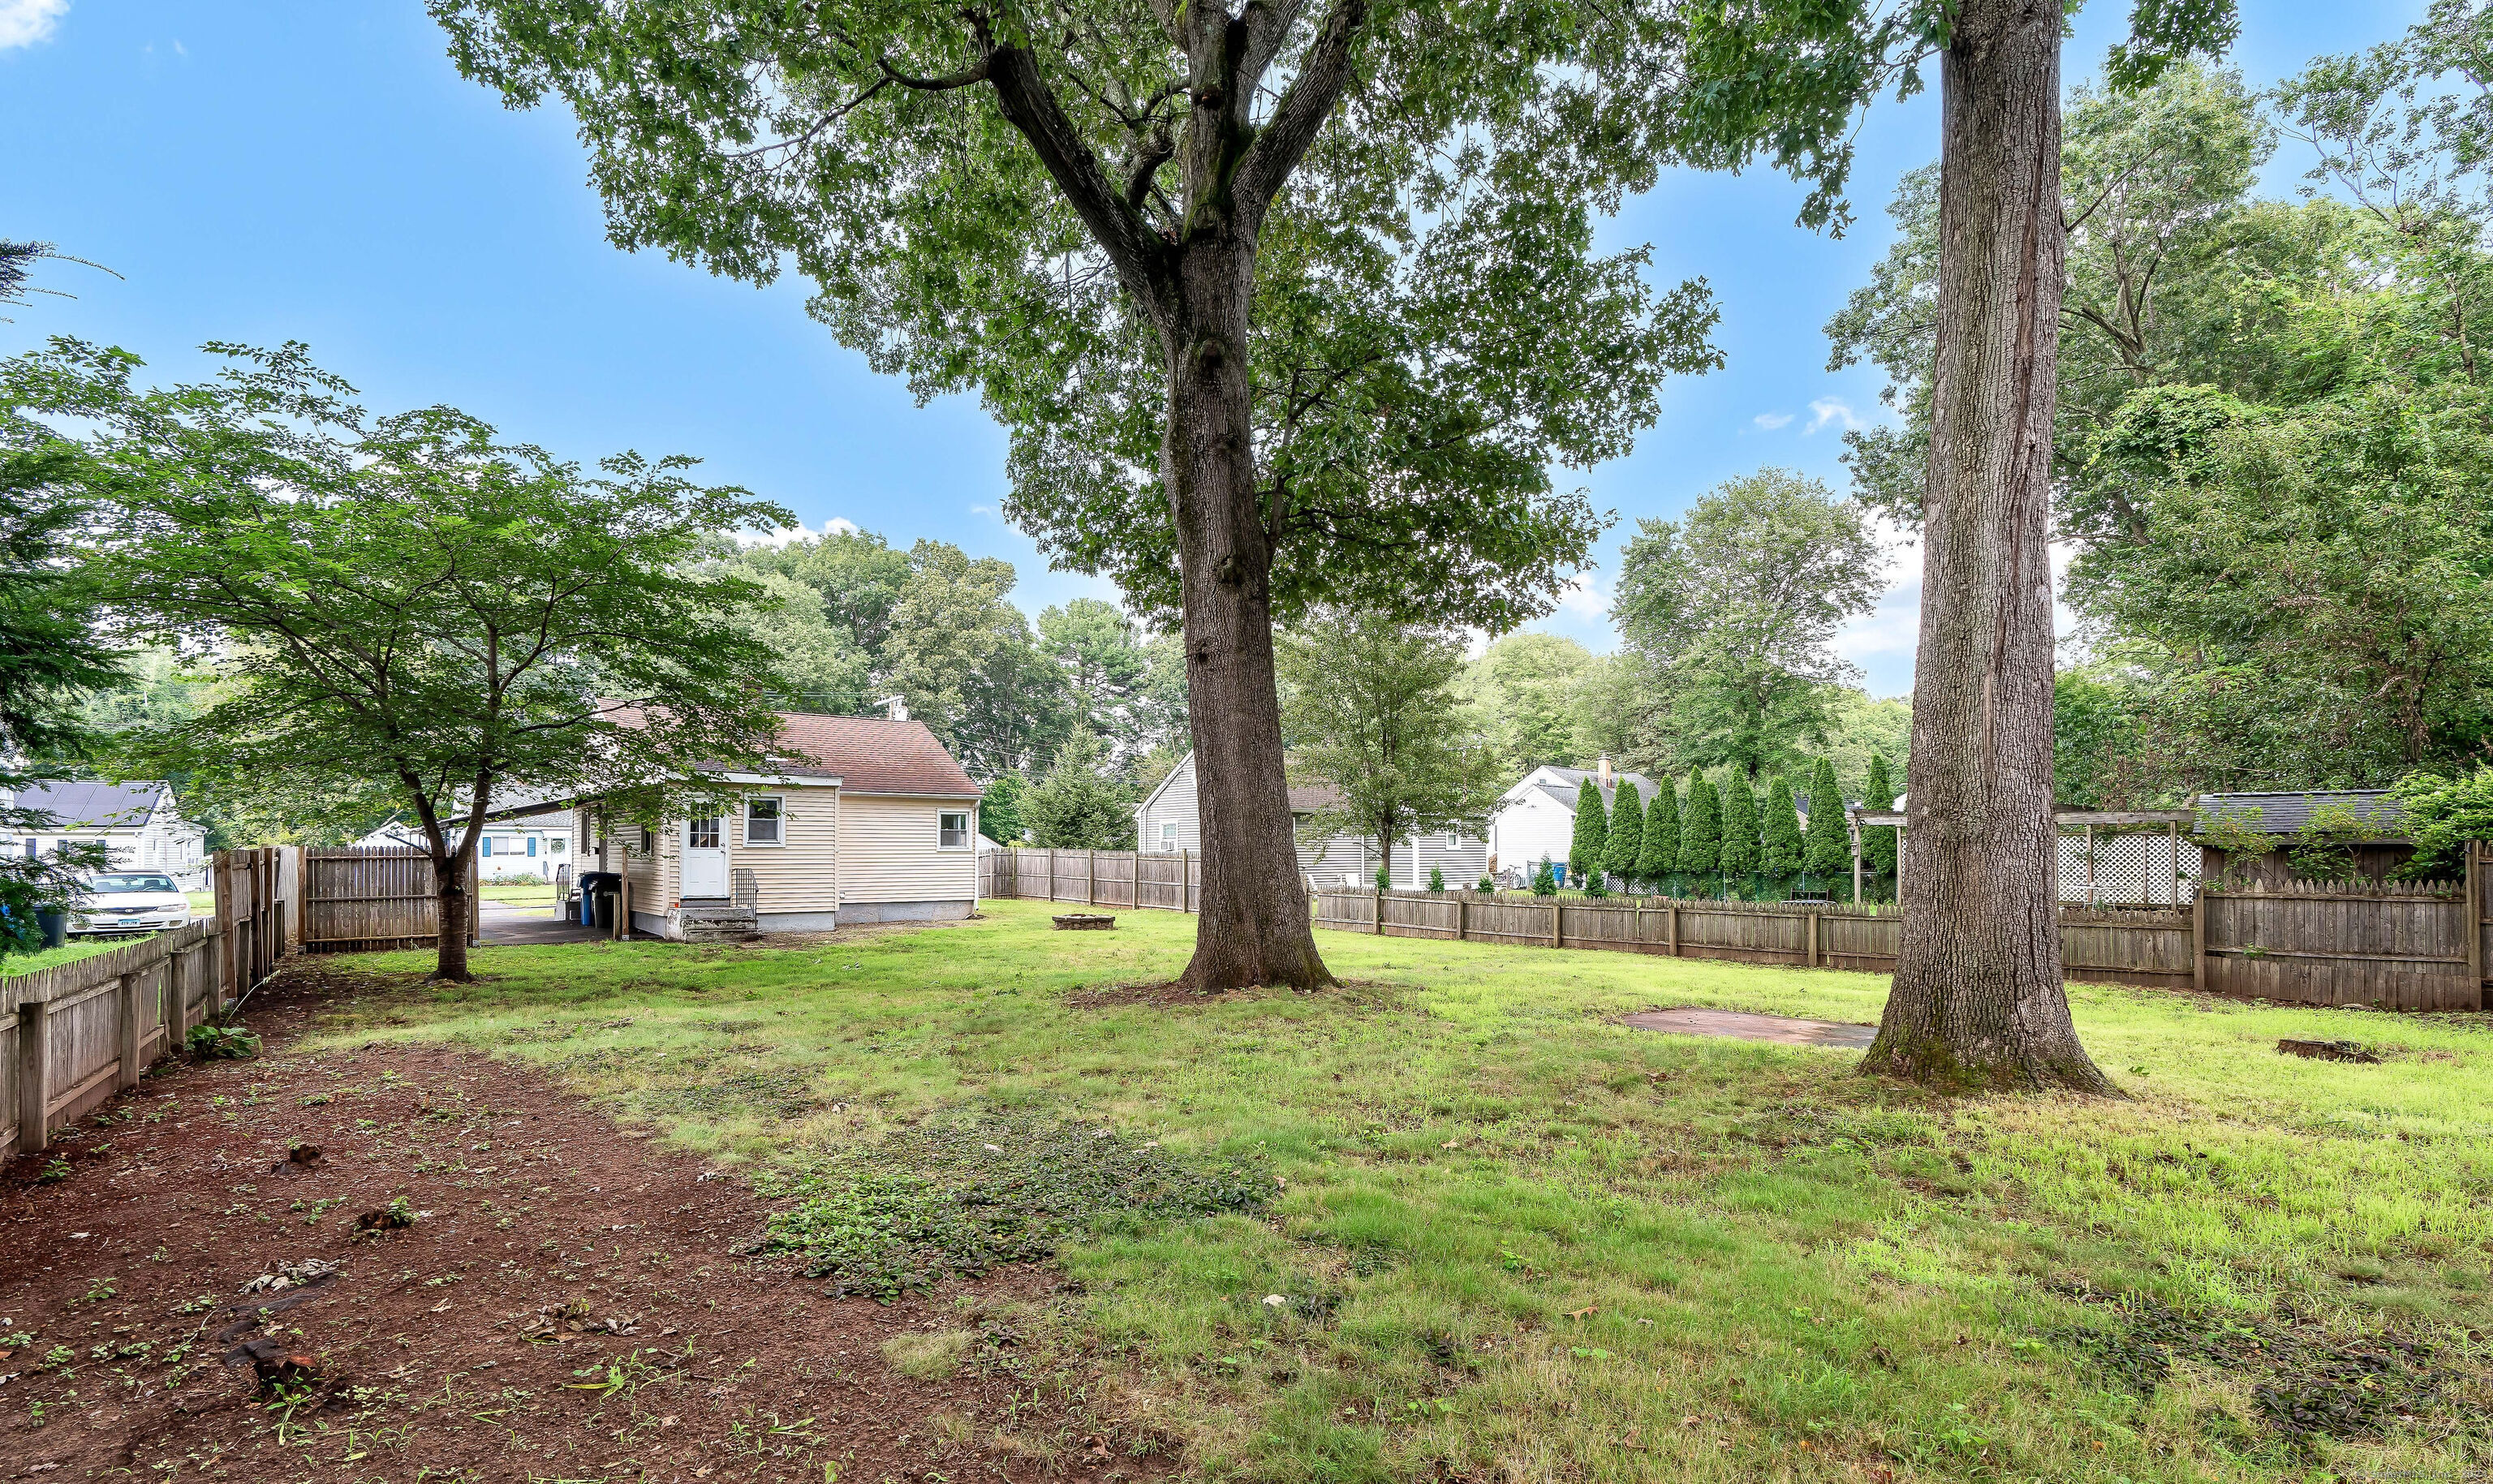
x=861, y=819
x=1169, y=819
x=1536, y=817
x=531, y=844
x=138, y=821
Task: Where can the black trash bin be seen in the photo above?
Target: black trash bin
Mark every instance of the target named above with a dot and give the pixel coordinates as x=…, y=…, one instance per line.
x=598, y=892
x=55, y=928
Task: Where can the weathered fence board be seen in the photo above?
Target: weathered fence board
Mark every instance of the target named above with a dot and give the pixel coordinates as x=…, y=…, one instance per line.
x=2404, y=946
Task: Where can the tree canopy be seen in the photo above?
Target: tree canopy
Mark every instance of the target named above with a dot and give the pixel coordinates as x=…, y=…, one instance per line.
x=1368, y=708
x=1736, y=609
x=409, y=614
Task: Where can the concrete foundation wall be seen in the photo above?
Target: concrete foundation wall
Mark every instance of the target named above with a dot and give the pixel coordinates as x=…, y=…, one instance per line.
x=852, y=912
x=797, y=922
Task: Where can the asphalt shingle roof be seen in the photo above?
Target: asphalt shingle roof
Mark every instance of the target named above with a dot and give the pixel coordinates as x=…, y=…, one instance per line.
x=869, y=754
x=90, y=806
x=2283, y=814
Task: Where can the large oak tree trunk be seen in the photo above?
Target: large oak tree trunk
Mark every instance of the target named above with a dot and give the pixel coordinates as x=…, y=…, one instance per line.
x=1254, y=927
x=1977, y=1001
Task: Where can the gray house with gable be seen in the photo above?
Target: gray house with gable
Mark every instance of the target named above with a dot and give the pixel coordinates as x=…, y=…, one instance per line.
x=1169, y=819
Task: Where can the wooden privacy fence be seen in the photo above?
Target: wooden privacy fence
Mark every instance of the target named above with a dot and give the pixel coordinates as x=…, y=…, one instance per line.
x=372, y=898
x=2402, y=947
x=1096, y=877
x=72, y=1035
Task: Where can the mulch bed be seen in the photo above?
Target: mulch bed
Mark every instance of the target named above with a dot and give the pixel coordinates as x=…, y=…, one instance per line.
x=569, y=1302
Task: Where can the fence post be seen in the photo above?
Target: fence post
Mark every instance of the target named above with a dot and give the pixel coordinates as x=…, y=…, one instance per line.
x=1186, y=880
x=2199, y=937
x=1554, y=924
x=2477, y=860
x=33, y=1078
x=1090, y=878
x=1379, y=893
x=1674, y=929
x=126, y=1000
x=1463, y=918
x=1813, y=940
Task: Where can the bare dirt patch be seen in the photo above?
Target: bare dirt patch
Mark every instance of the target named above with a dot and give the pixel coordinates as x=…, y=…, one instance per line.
x=402, y=1262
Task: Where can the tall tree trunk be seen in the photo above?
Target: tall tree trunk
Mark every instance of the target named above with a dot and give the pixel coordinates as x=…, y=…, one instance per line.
x=452, y=905
x=1254, y=928
x=1977, y=1001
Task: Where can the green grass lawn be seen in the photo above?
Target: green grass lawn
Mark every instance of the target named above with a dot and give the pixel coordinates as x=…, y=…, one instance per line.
x=518, y=893
x=1511, y=1239
x=70, y=952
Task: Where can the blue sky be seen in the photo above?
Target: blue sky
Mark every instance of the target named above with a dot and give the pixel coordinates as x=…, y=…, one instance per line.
x=318, y=171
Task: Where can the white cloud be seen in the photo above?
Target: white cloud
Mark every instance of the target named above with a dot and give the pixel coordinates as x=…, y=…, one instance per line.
x=781, y=538
x=1584, y=599
x=24, y=22
x=1770, y=421
x=1831, y=410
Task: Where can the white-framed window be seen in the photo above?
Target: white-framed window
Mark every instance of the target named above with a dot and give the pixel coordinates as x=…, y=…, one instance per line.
x=1168, y=836
x=761, y=816
x=1454, y=840
x=953, y=829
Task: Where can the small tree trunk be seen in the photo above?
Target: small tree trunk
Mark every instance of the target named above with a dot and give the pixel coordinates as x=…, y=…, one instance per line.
x=1254, y=927
x=450, y=897
x=1977, y=1001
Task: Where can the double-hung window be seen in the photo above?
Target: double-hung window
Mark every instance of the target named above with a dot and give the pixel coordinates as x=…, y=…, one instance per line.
x=761, y=821
x=1168, y=836
x=953, y=829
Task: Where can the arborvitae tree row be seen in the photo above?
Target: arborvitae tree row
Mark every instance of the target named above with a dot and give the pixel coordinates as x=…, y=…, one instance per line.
x=1659, y=856
x=1879, y=841
x=1592, y=842
x=1828, y=849
x=1739, y=827
x=1627, y=834
x=1782, y=829
x=1700, y=833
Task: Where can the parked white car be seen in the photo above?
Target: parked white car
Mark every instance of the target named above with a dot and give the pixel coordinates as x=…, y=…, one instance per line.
x=130, y=901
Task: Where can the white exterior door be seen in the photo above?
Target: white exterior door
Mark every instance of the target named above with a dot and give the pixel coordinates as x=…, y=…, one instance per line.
x=705, y=858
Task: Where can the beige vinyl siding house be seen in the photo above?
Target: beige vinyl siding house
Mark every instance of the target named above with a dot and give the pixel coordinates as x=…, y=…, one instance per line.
x=861, y=821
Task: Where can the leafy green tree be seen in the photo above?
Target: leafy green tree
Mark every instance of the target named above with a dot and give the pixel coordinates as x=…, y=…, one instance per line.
x=999, y=811
x=1737, y=607
x=819, y=666
x=963, y=659
x=1588, y=850
x=1739, y=805
x=1280, y=308
x=1826, y=850
x=1977, y=999
x=1098, y=650
x=1659, y=858
x=1625, y=849
x=2444, y=813
x=856, y=575
x=1522, y=692
x=1701, y=830
x=1158, y=721
x=1371, y=710
x=1879, y=841
x=1781, y=855
x=413, y=614
x=1078, y=804
x=49, y=663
